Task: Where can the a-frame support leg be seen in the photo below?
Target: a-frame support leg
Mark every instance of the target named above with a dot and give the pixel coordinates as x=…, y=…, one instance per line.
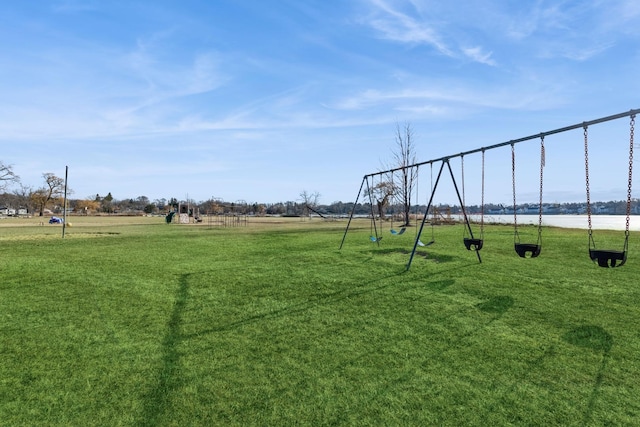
x=424, y=219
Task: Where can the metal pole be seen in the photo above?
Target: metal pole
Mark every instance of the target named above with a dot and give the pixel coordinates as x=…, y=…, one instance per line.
x=64, y=204
x=424, y=218
x=515, y=141
x=464, y=212
x=352, y=210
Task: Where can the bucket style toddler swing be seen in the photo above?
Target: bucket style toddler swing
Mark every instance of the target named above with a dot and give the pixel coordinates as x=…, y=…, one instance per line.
x=522, y=249
x=471, y=242
x=609, y=258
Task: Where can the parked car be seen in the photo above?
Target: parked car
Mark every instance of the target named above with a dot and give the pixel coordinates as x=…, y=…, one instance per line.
x=56, y=220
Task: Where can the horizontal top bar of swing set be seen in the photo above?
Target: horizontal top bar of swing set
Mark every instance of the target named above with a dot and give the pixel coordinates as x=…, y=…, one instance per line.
x=511, y=142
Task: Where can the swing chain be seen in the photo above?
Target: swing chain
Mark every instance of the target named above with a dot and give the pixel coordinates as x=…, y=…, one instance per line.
x=482, y=200
x=513, y=184
x=586, y=169
x=462, y=168
x=631, y=132
x=542, y=164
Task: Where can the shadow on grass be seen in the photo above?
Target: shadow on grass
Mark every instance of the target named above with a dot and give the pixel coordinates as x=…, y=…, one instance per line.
x=497, y=305
x=158, y=399
x=593, y=338
x=440, y=285
x=306, y=305
x=421, y=253
x=167, y=380
x=98, y=233
x=586, y=336
x=590, y=336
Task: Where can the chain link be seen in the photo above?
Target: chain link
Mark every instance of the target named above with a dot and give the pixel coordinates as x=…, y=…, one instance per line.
x=462, y=168
x=513, y=184
x=631, y=132
x=586, y=171
x=482, y=200
x=542, y=164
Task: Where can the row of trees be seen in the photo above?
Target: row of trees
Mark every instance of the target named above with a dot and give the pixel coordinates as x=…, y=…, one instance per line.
x=33, y=199
x=50, y=196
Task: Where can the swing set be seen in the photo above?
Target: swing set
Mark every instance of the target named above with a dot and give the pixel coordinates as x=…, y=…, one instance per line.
x=603, y=257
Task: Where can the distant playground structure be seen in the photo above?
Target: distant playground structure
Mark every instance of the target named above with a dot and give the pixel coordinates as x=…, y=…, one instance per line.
x=183, y=214
x=218, y=214
x=221, y=214
x=227, y=220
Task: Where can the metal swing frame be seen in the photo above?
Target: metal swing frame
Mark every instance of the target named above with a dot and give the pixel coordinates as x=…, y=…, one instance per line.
x=445, y=160
x=424, y=218
x=417, y=178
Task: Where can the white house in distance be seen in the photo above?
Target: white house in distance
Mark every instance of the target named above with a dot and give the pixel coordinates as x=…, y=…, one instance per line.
x=12, y=212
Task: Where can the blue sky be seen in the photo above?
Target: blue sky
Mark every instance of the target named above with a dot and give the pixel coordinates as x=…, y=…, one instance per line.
x=259, y=100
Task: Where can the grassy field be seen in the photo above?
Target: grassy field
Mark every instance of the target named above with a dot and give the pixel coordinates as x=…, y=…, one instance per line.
x=133, y=322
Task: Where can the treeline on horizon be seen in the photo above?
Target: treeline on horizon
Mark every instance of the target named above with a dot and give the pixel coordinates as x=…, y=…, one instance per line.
x=11, y=203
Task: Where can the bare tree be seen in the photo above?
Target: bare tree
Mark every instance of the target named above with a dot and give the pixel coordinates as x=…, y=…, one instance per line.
x=53, y=189
x=380, y=193
x=7, y=176
x=309, y=200
x=404, y=156
x=23, y=194
x=383, y=193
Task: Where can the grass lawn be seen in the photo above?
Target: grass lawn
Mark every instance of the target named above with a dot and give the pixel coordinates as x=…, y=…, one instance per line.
x=133, y=322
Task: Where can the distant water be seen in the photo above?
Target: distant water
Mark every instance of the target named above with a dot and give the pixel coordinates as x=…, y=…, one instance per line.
x=603, y=222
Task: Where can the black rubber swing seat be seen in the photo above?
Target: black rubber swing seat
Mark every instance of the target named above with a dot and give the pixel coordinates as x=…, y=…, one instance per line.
x=608, y=258
x=473, y=244
x=523, y=248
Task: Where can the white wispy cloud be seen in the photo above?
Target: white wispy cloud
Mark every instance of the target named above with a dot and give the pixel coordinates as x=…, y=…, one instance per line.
x=440, y=97
x=574, y=31
x=585, y=53
x=166, y=77
x=394, y=25
x=417, y=27
x=477, y=54
x=100, y=92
